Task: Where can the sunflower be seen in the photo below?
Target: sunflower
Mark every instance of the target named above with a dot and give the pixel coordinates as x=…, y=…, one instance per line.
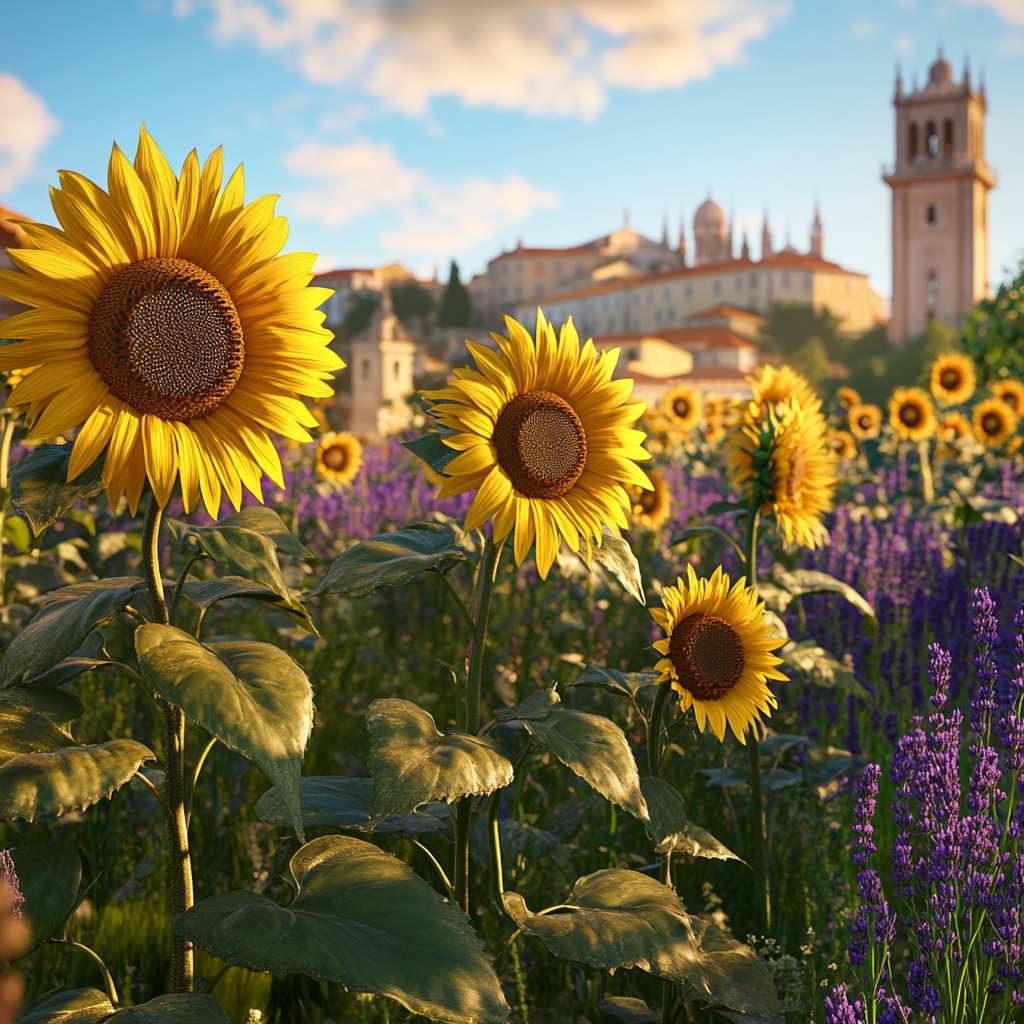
x=651, y=507
x=865, y=421
x=847, y=398
x=994, y=422
x=546, y=440
x=954, y=426
x=164, y=323
x=842, y=443
x=339, y=457
x=912, y=414
x=772, y=386
x=714, y=430
x=1011, y=392
x=717, y=651
x=952, y=378
x=681, y=408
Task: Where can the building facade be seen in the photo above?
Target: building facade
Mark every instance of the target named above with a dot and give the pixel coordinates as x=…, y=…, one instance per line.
x=940, y=184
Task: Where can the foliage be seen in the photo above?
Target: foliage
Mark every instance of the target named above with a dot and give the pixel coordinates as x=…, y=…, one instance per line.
x=994, y=334
x=455, y=305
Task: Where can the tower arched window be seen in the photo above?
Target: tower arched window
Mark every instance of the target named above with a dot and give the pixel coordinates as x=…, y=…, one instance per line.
x=913, y=140
x=366, y=369
x=932, y=135
x=932, y=292
x=398, y=369
x=947, y=135
x=931, y=214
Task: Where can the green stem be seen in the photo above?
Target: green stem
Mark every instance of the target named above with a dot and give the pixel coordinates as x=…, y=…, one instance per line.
x=181, y=581
x=174, y=767
x=927, y=482
x=195, y=777
x=494, y=844
x=654, y=728
x=460, y=604
x=108, y=981
x=464, y=810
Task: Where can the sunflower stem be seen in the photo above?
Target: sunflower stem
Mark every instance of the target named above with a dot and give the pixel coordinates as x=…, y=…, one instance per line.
x=655, y=725
x=475, y=658
x=927, y=481
x=174, y=766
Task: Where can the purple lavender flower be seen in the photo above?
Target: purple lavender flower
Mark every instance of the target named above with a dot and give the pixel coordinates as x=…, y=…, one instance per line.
x=9, y=878
x=839, y=1009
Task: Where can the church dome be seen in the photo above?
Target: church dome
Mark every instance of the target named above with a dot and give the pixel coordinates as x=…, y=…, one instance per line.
x=940, y=73
x=709, y=215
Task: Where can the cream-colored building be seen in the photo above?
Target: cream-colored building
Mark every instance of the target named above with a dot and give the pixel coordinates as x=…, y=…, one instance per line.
x=940, y=184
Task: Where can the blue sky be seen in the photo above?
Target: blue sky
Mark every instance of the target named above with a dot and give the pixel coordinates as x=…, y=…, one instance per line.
x=431, y=129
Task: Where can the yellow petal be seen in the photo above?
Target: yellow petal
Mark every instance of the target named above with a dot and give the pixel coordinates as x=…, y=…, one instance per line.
x=94, y=436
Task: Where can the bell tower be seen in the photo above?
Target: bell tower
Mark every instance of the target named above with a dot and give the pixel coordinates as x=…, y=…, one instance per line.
x=940, y=184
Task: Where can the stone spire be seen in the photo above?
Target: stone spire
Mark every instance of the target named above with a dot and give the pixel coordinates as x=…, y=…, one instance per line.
x=766, y=239
x=816, y=234
x=745, y=250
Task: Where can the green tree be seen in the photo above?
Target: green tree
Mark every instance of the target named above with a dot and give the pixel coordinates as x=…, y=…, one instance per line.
x=791, y=325
x=455, y=306
x=358, y=317
x=410, y=300
x=811, y=360
x=994, y=335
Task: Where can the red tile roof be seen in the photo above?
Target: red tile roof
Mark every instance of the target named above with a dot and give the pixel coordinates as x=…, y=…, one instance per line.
x=726, y=313
x=12, y=236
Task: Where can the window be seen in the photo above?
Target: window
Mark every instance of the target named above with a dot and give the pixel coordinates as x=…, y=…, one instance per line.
x=785, y=280
x=913, y=141
x=753, y=280
x=739, y=284
x=579, y=268
x=504, y=291
x=519, y=291
x=665, y=294
x=558, y=266
x=398, y=369
x=717, y=287
x=947, y=135
x=671, y=315
x=504, y=268
x=807, y=282
x=657, y=316
x=538, y=289
x=931, y=215
x=604, y=304
x=933, y=138
x=650, y=296
x=689, y=291
x=366, y=369
x=611, y=324
x=636, y=300
x=932, y=292
x=539, y=267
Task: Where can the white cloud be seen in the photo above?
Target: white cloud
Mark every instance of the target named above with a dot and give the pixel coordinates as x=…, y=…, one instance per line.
x=550, y=57
x=433, y=217
x=1009, y=10
x=26, y=126
x=862, y=28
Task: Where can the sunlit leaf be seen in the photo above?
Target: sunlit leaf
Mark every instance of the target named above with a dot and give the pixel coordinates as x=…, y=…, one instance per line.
x=261, y=519
x=671, y=830
x=811, y=581
x=89, y=656
x=206, y=593
x=628, y=1010
x=362, y=919
x=79, y=1006
x=622, y=684
x=35, y=719
x=48, y=875
x=824, y=669
x=178, y=1008
x=39, y=484
x=617, y=557
x=431, y=449
x=253, y=697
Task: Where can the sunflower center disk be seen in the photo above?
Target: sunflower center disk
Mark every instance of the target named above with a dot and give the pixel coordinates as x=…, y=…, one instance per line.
x=681, y=407
x=864, y=423
x=707, y=654
x=910, y=415
x=541, y=444
x=991, y=424
x=166, y=338
x=648, y=501
x=949, y=379
x=335, y=458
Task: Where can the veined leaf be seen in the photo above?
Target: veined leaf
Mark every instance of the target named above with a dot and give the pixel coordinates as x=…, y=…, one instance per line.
x=810, y=581
x=431, y=449
x=39, y=484
x=177, y=1008
x=206, y=593
x=824, y=669
x=266, y=521
x=670, y=828
x=89, y=656
x=393, y=560
x=628, y=1010
x=362, y=919
x=622, y=684
x=34, y=720
x=79, y=1006
x=253, y=697
x=48, y=875
x=617, y=557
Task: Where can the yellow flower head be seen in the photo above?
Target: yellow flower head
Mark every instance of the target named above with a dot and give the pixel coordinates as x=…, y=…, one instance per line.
x=994, y=422
x=339, y=457
x=546, y=440
x=681, y=408
x=165, y=324
x=1011, y=392
x=717, y=652
x=911, y=414
x=843, y=444
x=774, y=385
x=847, y=398
x=953, y=379
x=954, y=426
x=865, y=421
x=651, y=508
x=714, y=430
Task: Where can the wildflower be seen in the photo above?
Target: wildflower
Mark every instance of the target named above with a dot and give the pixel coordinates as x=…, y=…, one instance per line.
x=952, y=378
x=9, y=883
x=651, y=508
x=994, y=422
x=339, y=457
x=954, y=426
x=681, y=408
x=911, y=414
x=546, y=440
x=847, y=397
x=1010, y=392
x=164, y=323
x=865, y=421
x=717, y=651
x=842, y=443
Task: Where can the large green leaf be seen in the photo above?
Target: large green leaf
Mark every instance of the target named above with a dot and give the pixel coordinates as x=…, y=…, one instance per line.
x=48, y=875
x=39, y=484
x=412, y=763
x=33, y=720
x=431, y=449
x=179, y=1008
x=824, y=669
x=89, y=656
x=617, y=557
x=253, y=697
x=337, y=802
x=620, y=918
x=61, y=628
x=79, y=1006
x=392, y=560
x=362, y=919
x=810, y=581
x=53, y=782
x=206, y=593
x=671, y=830
x=629, y=1010
x=593, y=746
x=261, y=519
x=622, y=684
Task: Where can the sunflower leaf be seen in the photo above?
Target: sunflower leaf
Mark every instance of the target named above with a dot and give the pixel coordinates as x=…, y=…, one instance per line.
x=393, y=560
x=39, y=484
x=412, y=763
x=431, y=449
x=79, y=1006
x=245, y=552
x=810, y=581
x=55, y=781
x=362, y=919
x=622, y=684
x=177, y=1008
x=48, y=875
x=617, y=557
x=34, y=720
x=89, y=656
x=206, y=593
x=629, y=1010
x=593, y=746
x=823, y=668
x=266, y=521
x=670, y=828
x=253, y=697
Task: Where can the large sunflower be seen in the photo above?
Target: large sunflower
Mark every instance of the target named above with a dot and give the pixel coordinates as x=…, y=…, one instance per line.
x=339, y=457
x=546, y=440
x=681, y=408
x=952, y=378
x=911, y=414
x=994, y=422
x=1011, y=392
x=651, y=508
x=717, y=651
x=865, y=421
x=164, y=323
x=773, y=385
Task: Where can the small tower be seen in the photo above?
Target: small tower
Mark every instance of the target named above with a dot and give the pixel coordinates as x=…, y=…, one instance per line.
x=940, y=183
x=712, y=238
x=745, y=250
x=382, y=366
x=817, y=247
x=766, y=239
x=682, y=242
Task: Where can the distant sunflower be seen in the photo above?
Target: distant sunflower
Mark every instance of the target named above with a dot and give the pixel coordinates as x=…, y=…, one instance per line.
x=994, y=422
x=842, y=443
x=717, y=652
x=339, y=457
x=1011, y=392
x=546, y=440
x=953, y=380
x=847, y=398
x=773, y=385
x=954, y=426
x=714, y=430
x=165, y=324
x=681, y=408
x=911, y=414
x=651, y=508
x=865, y=421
